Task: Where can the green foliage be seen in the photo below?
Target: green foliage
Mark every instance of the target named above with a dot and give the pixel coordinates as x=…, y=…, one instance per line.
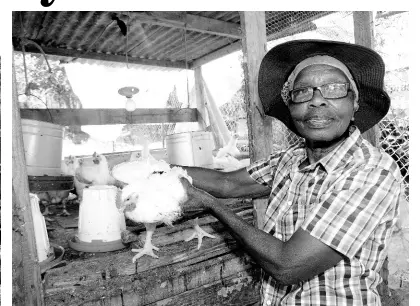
x=44, y=89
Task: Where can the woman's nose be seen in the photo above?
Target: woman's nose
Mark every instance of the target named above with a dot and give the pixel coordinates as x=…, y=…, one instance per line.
x=317, y=99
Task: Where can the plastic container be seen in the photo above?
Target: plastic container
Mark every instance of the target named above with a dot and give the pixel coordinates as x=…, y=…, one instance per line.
x=99, y=218
x=190, y=149
x=43, y=144
x=41, y=237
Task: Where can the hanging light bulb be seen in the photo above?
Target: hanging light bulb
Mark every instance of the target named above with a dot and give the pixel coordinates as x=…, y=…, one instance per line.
x=130, y=104
x=129, y=92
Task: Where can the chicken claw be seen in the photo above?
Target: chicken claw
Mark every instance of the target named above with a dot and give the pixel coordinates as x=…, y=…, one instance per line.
x=199, y=233
x=148, y=246
x=147, y=250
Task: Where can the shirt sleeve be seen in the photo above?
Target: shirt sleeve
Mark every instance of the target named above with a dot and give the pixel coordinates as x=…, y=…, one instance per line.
x=346, y=216
x=264, y=170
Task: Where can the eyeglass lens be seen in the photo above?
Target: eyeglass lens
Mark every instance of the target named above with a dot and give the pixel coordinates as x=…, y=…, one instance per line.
x=328, y=91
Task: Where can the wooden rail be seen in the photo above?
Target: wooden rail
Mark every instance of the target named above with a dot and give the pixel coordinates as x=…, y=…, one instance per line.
x=68, y=117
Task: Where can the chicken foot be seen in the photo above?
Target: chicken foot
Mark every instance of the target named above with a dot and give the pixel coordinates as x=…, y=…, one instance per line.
x=148, y=246
x=199, y=233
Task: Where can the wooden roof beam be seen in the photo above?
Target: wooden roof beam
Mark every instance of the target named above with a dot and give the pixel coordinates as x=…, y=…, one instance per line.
x=216, y=54
x=190, y=22
x=70, y=53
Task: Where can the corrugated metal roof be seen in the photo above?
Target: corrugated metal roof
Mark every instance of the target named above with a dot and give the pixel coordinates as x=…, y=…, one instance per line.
x=166, y=39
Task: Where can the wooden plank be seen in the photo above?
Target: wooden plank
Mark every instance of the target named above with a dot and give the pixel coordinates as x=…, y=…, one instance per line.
x=190, y=22
x=46, y=183
x=155, y=284
x=233, y=47
x=66, y=117
x=237, y=290
x=203, y=117
x=364, y=35
x=180, y=267
x=27, y=288
x=254, y=47
x=102, y=56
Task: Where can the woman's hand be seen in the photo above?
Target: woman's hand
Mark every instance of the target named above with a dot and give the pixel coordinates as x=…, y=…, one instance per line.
x=197, y=199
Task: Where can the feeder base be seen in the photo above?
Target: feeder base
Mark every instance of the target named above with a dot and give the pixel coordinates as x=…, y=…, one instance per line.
x=95, y=245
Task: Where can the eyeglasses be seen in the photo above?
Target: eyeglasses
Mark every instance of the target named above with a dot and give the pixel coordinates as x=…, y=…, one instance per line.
x=328, y=91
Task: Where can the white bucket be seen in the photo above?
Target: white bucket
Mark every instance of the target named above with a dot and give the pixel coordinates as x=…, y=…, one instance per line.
x=43, y=143
x=41, y=236
x=99, y=218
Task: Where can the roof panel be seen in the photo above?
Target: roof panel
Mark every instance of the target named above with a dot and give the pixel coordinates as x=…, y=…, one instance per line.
x=154, y=38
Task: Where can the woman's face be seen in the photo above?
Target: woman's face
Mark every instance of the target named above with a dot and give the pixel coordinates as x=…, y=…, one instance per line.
x=320, y=119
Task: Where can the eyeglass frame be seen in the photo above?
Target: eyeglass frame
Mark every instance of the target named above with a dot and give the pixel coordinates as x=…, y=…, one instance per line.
x=319, y=88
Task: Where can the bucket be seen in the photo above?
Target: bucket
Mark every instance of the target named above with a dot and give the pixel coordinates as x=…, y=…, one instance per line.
x=41, y=236
x=43, y=142
x=99, y=218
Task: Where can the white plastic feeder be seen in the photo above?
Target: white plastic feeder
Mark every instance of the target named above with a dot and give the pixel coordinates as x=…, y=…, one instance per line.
x=100, y=222
x=41, y=237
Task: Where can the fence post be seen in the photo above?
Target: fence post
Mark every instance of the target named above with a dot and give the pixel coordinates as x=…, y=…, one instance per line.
x=26, y=276
x=364, y=34
x=364, y=30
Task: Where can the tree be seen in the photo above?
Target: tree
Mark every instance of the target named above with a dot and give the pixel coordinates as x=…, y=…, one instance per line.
x=44, y=89
x=39, y=88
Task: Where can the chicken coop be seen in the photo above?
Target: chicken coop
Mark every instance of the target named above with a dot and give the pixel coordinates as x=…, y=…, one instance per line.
x=220, y=272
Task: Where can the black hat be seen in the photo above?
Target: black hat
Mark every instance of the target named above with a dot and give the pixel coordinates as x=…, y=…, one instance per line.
x=365, y=65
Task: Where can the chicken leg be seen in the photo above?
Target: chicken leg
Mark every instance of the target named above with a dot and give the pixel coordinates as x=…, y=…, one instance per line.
x=199, y=233
x=148, y=246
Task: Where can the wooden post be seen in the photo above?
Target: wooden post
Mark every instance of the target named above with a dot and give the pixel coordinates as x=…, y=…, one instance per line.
x=260, y=133
x=26, y=279
x=254, y=48
x=364, y=35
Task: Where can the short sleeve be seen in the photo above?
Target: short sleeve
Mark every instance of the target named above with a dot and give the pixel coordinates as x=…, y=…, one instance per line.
x=346, y=216
x=264, y=170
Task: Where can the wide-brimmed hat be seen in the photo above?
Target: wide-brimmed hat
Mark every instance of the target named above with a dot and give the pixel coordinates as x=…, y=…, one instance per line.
x=365, y=65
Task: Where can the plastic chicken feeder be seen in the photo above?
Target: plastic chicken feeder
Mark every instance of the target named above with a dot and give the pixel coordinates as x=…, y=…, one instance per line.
x=100, y=222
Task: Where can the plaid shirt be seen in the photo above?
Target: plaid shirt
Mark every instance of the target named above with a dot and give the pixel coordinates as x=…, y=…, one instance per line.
x=348, y=200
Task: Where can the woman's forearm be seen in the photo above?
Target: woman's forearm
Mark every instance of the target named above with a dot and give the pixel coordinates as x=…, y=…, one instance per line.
x=234, y=184
x=265, y=249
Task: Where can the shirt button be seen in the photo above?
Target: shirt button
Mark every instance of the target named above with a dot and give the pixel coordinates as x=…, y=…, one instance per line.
x=268, y=302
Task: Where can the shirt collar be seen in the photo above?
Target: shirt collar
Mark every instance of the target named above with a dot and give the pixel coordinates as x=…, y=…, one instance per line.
x=341, y=155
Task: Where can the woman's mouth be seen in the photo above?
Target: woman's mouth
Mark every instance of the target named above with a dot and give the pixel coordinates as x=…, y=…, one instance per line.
x=318, y=122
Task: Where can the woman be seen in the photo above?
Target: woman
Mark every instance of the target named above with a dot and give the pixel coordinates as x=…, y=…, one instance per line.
x=333, y=200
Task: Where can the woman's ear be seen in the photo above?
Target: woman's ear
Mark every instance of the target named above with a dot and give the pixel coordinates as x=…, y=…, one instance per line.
x=355, y=109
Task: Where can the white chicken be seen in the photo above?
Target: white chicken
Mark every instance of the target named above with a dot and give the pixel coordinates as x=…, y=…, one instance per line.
x=94, y=172
x=154, y=194
x=230, y=148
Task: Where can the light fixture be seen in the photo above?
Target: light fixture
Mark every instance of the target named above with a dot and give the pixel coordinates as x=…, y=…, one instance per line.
x=129, y=92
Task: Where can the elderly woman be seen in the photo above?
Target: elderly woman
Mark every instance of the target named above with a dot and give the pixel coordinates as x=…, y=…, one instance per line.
x=333, y=199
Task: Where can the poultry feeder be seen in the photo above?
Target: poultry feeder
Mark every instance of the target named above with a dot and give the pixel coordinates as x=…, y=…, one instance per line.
x=100, y=222
x=44, y=250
